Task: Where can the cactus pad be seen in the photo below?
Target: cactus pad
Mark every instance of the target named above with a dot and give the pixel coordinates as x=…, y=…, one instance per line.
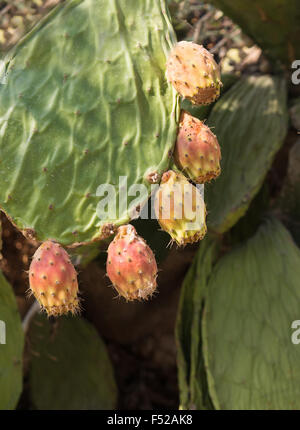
x=191, y=375
x=252, y=300
x=84, y=100
x=70, y=367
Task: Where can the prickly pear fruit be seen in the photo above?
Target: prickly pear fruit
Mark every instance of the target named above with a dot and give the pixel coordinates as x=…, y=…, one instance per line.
x=53, y=280
x=180, y=209
x=131, y=265
x=197, y=151
x=194, y=73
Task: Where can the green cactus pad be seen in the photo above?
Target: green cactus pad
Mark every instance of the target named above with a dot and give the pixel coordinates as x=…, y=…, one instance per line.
x=83, y=101
x=251, y=122
x=191, y=376
x=70, y=368
x=11, y=351
x=252, y=300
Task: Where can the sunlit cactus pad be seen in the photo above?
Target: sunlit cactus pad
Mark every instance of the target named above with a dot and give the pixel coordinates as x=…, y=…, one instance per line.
x=252, y=300
x=84, y=99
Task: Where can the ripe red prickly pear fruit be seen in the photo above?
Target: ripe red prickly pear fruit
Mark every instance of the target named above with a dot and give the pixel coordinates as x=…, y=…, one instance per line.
x=180, y=209
x=194, y=73
x=131, y=265
x=197, y=151
x=53, y=280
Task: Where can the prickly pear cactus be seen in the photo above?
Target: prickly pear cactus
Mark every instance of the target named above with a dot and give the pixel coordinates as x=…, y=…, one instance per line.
x=83, y=101
x=273, y=24
x=251, y=122
x=69, y=354
x=11, y=347
x=251, y=302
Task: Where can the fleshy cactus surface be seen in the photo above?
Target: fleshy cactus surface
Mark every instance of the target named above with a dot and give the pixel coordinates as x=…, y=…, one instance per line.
x=194, y=73
x=180, y=209
x=131, y=265
x=68, y=127
x=254, y=110
x=197, y=151
x=53, y=280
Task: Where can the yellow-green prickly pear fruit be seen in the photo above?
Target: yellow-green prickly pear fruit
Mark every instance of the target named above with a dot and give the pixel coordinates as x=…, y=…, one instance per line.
x=193, y=72
x=180, y=209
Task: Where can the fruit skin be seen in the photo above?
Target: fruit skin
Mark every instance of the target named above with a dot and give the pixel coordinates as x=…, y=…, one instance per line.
x=131, y=265
x=178, y=204
x=193, y=72
x=53, y=280
x=197, y=151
